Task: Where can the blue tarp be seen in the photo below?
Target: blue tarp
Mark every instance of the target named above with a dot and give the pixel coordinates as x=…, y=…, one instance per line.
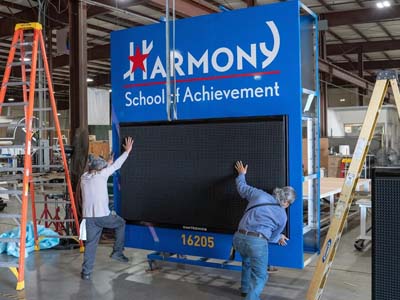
x=12, y=248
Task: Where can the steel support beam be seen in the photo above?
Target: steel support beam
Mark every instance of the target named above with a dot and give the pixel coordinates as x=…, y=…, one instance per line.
x=360, y=73
x=183, y=8
x=371, y=65
x=359, y=16
x=95, y=53
x=58, y=20
x=340, y=73
x=78, y=89
x=353, y=48
x=323, y=88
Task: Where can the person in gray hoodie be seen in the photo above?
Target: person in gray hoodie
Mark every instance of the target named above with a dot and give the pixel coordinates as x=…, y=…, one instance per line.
x=96, y=212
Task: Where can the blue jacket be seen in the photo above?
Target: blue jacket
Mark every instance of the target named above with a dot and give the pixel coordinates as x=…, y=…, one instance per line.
x=268, y=220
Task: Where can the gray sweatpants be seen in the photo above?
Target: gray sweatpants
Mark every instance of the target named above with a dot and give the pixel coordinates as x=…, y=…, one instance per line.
x=94, y=228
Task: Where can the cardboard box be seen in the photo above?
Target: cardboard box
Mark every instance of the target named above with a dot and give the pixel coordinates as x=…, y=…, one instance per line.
x=99, y=148
x=334, y=162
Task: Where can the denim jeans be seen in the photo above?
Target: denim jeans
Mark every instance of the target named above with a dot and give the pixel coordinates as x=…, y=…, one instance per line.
x=254, y=253
x=94, y=228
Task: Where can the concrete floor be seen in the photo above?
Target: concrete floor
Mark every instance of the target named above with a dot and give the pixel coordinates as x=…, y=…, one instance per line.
x=54, y=274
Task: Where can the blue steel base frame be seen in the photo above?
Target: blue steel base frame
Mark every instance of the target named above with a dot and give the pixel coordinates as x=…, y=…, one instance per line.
x=195, y=261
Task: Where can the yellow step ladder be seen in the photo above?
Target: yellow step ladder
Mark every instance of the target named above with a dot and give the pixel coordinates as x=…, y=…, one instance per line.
x=325, y=259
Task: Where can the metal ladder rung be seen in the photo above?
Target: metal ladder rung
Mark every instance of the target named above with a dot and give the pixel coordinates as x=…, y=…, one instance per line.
x=18, y=43
x=8, y=178
x=41, y=89
x=53, y=183
x=19, y=63
x=7, y=169
x=54, y=202
x=10, y=216
x=16, y=83
x=59, y=236
x=57, y=196
x=5, y=264
x=56, y=221
x=43, y=109
x=13, y=147
x=6, y=125
x=48, y=166
x=9, y=240
x=44, y=129
x=23, y=125
x=46, y=147
x=37, y=69
x=14, y=104
x=10, y=192
x=23, y=147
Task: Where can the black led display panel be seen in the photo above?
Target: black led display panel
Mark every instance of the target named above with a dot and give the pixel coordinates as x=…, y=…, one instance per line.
x=181, y=174
x=385, y=233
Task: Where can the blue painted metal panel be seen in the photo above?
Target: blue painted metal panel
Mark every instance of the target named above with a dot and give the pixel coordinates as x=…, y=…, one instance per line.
x=239, y=63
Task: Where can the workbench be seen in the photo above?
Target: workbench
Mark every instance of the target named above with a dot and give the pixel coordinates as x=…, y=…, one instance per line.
x=331, y=186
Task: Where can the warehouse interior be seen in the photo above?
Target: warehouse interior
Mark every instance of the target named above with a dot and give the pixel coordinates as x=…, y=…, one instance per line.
x=346, y=154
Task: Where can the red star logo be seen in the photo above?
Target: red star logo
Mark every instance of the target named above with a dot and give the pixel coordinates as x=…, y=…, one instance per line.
x=138, y=60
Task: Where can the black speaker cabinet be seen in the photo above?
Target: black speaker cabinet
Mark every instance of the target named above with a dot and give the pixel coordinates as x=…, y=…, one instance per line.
x=386, y=233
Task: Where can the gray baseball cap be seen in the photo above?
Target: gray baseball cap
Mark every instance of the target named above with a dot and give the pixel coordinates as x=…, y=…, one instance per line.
x=96, y=163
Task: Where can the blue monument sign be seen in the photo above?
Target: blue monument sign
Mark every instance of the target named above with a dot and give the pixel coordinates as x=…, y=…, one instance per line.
x=236, y=66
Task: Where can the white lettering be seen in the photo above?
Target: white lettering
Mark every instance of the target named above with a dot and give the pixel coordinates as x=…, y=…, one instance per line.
x=270, y=90
x=158, y=69
x=197, y=96
x=252, y=58
x=218, y=95
x=223, y=59
x=259, y=92
x=276, y=88
x=205, y=93
x=146, y=50
x=235, y=94
x=229, y=62
x=197, y=63
x=129, y=100
x=177, y=61
x=188, y=94
x=244, y=93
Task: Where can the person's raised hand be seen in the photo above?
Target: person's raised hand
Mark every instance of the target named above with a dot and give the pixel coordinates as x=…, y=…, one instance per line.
x=240, y=168
x=128, y=144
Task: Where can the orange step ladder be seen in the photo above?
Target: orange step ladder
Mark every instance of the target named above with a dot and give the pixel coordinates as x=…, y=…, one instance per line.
x=28, y=92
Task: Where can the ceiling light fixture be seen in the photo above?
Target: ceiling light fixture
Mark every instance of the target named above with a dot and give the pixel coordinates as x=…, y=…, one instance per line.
x=342, y=100
x=11, y=99
x=89, y=80
x=382, y=4
x=386, y=4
